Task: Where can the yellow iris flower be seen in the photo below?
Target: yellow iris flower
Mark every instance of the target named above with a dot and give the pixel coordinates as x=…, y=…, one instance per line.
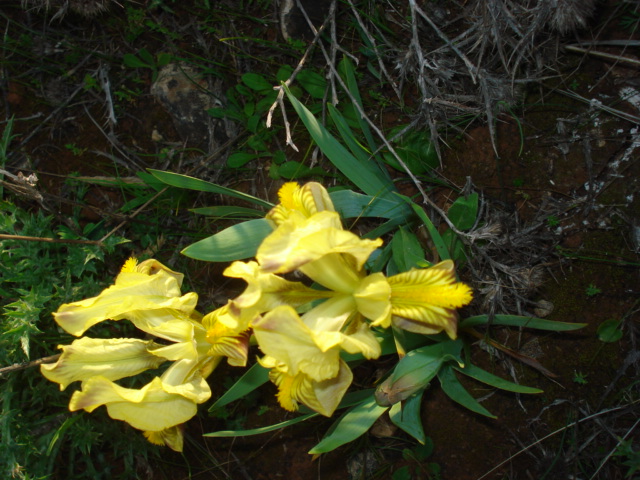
x=148, y=294
x=301, y=330
x=305, y=362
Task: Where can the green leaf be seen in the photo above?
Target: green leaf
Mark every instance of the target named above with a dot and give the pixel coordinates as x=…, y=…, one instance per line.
x=437, y=240
x=258, y=431
x=609, y=331
x=228, y=211
x=350, y=426
x=416, y=151
x=366, y=176
x=146, y=56
x=464, y=211
x=350, y=204
x=256, y=82
x=131, y=60
x=454, y=246
x=483, y=376
x=234, y=243
x=407, y=252
x=253, y=378
x=415, y=370
x=191, y=183
x=164, y=59
x=314, y=83
x=456, y=392
x=240, y=159
x=520, y=321
x=406, y=416
x=292, y=170
x=363, y=156
x=348, y=73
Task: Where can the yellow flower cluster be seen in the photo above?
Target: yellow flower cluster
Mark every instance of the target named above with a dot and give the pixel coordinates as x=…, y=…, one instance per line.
x=300, y=330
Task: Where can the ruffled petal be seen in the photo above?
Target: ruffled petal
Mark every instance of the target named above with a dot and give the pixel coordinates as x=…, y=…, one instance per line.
x=282, y=334
x=300, y=240
x=154, y=407
x=112, y=358
x=117, y=301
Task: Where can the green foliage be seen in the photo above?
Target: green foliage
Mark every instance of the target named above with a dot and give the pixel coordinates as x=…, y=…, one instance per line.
x=418, y=465
x=629, y=457
x=610, y=331
x=144, y=59
x=427, y=357
x=36, y=278
x=592, y=290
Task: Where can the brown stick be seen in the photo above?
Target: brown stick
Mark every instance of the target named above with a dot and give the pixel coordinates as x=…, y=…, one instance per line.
x=47, y=240
x=33, y=363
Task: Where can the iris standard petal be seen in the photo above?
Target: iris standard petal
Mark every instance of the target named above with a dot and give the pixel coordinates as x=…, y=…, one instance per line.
x=300, y=240
x=373, y=299
x=282, y=334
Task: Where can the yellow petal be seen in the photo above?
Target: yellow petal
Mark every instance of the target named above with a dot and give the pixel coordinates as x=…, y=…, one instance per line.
x=331, y=315
x=154, y=407
x=373, y=299
x=233, y=346
x=113, y=358
x=363, y=341
x=322, y=397
x=266, y=291
x=171, y=437
x=282, y=334
x=427, y=299
x=132, y=291
x=154, y=267
x=306, y=239
x=307, y=200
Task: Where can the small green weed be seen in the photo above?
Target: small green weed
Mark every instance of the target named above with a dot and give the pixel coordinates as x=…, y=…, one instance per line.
x=553, y=221
x=629, y=457
x=36, y=278
x=580, y=378
x=418, y=467
x=144, y=59
x=592, y=290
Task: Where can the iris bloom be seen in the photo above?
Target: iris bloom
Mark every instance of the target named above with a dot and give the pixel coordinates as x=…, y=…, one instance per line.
x=309, y=238
x=148, y=294
x=305, y=362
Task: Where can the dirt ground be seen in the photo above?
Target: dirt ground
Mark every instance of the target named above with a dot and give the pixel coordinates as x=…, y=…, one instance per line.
x=565, y=168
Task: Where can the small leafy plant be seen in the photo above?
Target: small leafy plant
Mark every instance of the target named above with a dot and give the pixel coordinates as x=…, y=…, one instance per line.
x=592, y=290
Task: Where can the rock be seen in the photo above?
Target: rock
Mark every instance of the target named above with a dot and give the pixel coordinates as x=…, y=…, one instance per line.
x=185, y=94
